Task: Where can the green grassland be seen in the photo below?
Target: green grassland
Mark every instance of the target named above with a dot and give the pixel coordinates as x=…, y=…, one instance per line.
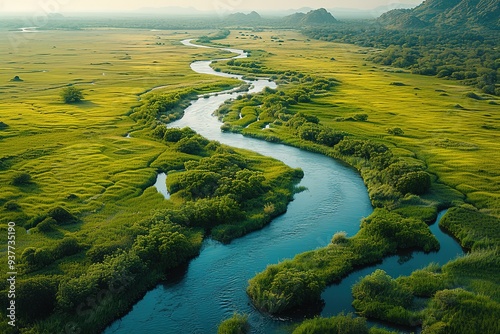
x=77, y=154
x=456, y=136
x=77, y=178
x=81, y=149
x=94, y=215
x=373, y=117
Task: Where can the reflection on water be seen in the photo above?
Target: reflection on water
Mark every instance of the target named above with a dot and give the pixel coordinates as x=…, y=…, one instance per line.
x=161, y=185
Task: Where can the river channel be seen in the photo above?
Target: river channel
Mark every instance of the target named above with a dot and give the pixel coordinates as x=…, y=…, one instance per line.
x=212, y=287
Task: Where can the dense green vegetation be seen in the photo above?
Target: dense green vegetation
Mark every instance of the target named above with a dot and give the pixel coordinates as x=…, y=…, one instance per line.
x=237, y=324
x=221, y=34
x=469, y=56
x=474, y=229
x=293, y=283
x=341, y=324
x=225, y=193
x=71, y=95
x=435, y=297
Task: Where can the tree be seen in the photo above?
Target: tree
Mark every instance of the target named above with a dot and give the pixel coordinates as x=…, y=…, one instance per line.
x=21, y=179
x=71, y=95
x=417, y=183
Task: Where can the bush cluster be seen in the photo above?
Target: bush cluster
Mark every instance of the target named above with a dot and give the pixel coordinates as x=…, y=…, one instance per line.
x=292, y=283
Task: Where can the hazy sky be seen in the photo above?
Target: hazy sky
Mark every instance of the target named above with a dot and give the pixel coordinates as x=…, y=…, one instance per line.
x=49, y=6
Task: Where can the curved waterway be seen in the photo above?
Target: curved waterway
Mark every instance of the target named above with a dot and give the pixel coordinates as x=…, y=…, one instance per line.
x=212, y=287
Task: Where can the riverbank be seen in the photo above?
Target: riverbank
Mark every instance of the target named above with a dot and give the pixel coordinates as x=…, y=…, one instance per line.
x=211, y=293
x=330, y=113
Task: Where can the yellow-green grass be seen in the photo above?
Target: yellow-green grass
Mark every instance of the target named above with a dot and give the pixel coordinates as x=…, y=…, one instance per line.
x=456, y=136
x=81, y=149
x=80, y=158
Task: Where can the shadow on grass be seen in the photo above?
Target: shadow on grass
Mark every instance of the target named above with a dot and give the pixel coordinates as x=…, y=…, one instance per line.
x=84, y=104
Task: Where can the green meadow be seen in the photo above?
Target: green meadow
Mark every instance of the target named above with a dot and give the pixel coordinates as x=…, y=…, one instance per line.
x=77, y=178
x=81, y=149
x=456, y=136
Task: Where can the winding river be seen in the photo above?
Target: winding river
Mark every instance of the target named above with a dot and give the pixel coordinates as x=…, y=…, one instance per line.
x=212, y=287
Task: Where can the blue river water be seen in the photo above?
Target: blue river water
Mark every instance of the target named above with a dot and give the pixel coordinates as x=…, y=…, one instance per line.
x=213, y=286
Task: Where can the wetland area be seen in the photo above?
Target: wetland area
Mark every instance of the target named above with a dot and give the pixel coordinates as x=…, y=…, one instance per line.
x=276, y=176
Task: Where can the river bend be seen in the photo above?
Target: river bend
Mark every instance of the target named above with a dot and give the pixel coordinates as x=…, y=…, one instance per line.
x=212, y=287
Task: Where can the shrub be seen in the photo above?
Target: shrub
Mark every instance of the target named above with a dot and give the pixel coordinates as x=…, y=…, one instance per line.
x=46, y=224
x=21, y=179
x=36, y=258
x=425, y=282
x=341, y=324
x=395, y=131
x=192, y=145
x=12, y=206
x=164, y=246
x=237, y=324
x=35, y=298
x=98, y=252
x=473, y=95
x=287, y=288
x=269, y=208
x=75, y=291
x=71, y=95
x=67, y=247
x=360, y=117
x=340, y=238
x=62, y=216
x=417, y=183
x=379, y=296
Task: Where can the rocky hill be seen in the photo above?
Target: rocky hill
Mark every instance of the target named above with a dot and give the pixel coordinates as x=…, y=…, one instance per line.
x=446, y=13
x=252, y=17
x=312, y=18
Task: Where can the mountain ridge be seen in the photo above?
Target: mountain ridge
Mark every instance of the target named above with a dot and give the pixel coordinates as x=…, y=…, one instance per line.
x=312, y=18
x=447, y=13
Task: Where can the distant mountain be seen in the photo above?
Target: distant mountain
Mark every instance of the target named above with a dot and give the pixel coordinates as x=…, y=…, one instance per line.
x=402, y=18
x=451, y=13
x=252, y=17
x=356, y=13
x=294, y=19
x=340, y=13
x=382, y=9
x=312, y=18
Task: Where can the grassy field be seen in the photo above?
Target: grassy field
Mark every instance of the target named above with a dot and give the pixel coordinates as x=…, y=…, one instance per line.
x=89, y=167
x=78, y=155
x=457, y=136
x=81, y=149
x=80, y=158
x=447, y=129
